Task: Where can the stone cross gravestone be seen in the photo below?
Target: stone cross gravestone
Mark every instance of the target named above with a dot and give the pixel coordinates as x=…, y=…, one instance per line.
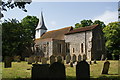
x=82, y=71
x=52, y=59
x=8, y=62
x=40, y=72
x=84, y=57
x=44, y=60
x=74, y=58
x=57, y=71
x=68, y=58
x=79, y=58
x=59, y=59
x=106, y=67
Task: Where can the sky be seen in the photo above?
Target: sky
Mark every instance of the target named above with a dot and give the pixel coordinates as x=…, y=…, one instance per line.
x=64, y=14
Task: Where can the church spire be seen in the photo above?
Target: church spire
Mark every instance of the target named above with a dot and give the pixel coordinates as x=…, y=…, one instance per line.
x=41, y=24
x=41, y=28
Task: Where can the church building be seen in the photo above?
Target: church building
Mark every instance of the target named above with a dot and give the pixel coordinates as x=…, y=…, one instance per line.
x=87, y=41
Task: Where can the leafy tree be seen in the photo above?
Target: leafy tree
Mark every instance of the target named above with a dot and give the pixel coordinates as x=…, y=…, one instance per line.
x=84, y=23
x=100, y=23
x=30, y=23
x=112, y=35
x=11, y=37
x=10, y=4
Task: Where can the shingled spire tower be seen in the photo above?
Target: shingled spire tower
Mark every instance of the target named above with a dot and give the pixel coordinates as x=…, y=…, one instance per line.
x=41, y=28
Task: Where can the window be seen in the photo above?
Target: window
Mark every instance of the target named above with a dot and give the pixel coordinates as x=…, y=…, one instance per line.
x=82, y=47
x=67, y=47
x=73, y=50
x=59, y=48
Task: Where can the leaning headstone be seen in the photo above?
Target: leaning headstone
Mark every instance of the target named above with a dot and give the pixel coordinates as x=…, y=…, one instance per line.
x=82, y=71
x=84, y=57
x=106, y=67
x=68, y=58
x=79, y=58
x=74, y=58
x=52, y=59
x=59, y=59
x=40, y=72
x=8, y=62
x=57, y=71
x=44, y=60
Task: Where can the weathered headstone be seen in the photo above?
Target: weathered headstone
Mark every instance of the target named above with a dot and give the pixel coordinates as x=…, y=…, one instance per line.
x=57, y=71
x=68, y=58
x=82, y=71
x=94, y=62
x=59, y=59
x=31, y=60
x=71, y=64
x=74, y=58
x=52, y=59
x=44, y=60
x=40, y=72
x=36, y=59
x=106, y=67
x=79, y=58
x=17, y=58
x=8, y=62
x=84, y=57
x=102, y=57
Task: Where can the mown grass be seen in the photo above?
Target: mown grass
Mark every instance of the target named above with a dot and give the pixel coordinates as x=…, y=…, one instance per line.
x=22, y=71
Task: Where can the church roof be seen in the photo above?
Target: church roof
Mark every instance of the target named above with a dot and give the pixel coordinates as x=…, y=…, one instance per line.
x=41, y=24
x=81, y=29
x=55, y=34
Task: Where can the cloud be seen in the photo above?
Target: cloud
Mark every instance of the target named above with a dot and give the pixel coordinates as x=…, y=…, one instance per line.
x=53, y=23
x=107, y=17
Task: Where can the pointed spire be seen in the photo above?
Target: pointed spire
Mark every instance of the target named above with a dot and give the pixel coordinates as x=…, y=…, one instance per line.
x=41, y=24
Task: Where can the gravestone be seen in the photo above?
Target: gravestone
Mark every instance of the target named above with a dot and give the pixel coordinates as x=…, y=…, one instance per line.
x=102, y=57
x=57, y=71
x=90, y=62
x=44, y=60
x=52, y=59
x=8, y=62
x=82, y=71
x=17, y=58
x=94, y=62
x=36, y=59
x=68, y=58
x=40, y=72
x=71, y=64
x=106, y=67
x=59, y=59
x=79, y=58
x=74, y=58
x=31, y=60
x=84, y=57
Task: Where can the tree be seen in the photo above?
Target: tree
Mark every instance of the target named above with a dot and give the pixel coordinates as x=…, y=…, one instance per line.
x=85, y=23
x=10, y=4
x=112, y=35
x=30, y=23
x=11, y=37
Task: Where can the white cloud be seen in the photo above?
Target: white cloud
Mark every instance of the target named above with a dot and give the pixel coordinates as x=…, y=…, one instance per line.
x=107, y=17
x=53, y=23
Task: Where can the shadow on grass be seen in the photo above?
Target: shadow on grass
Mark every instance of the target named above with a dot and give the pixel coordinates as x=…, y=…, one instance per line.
x=73, y=78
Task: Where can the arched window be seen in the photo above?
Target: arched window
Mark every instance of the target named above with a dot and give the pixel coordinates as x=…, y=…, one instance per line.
x=82, y=47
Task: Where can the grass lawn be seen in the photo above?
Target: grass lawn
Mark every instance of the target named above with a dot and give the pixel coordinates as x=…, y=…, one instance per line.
x=21, y=71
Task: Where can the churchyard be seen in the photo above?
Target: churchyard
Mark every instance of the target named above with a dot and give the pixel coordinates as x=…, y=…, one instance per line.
x=22, y=71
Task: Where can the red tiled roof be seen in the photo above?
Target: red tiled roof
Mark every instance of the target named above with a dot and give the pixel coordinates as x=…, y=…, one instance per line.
x=81, y=29
x=55, y=34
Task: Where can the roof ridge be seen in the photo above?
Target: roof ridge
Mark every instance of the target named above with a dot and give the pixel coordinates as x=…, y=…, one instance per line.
x=60, y=29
